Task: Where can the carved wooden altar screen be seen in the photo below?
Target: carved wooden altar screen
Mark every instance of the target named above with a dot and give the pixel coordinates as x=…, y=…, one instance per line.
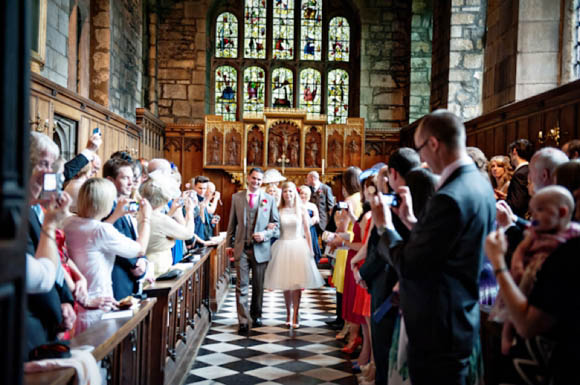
x=287, y=139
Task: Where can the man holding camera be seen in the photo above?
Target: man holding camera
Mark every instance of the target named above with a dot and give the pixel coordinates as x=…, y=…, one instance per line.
x=126, y=271
x=439, y=266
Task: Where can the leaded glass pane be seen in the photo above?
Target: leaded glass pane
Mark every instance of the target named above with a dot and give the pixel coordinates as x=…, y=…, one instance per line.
x=310, y=88
x=311, y=30
x=226, y=36
x=254, y=91
x=225, y=92
x=337, y=110
x=282, y=87
x=338, y=39
x=283, y=29
x=255, y=29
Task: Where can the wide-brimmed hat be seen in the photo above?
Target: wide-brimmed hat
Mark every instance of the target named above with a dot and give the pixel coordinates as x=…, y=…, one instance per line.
x=371, y=171
x=272, y=176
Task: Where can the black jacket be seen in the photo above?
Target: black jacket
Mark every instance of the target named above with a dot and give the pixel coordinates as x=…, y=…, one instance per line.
x=440, y=265
x=124, y=282
x=518, y=197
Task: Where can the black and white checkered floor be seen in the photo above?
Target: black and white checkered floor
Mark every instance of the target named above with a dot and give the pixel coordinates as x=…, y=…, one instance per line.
x=274, y=354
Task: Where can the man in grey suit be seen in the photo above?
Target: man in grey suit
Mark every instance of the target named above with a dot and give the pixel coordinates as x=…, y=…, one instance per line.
x=248, y=242
x=322, y=197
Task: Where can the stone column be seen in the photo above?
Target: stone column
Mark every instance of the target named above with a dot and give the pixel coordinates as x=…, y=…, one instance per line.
x=153, y=95
x=100, y=51
x=421, y=41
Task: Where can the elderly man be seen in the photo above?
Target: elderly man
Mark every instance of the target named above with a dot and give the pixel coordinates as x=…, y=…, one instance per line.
x=543, y=166
x=322, y=197
x=440, y=264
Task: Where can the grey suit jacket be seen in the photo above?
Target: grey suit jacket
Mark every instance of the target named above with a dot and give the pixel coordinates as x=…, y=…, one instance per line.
x=267, y=213
x=324, y=200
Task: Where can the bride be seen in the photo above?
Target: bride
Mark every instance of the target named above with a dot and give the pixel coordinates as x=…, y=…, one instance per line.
x=292, y=267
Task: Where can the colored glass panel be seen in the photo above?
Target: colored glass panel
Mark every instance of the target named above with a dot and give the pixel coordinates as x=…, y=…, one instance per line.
x=310, y=88
x=225, y=92
x=337, y=110
x=282, y=87
x=283, y=29
x=255, y=29
x=338, y=39
x=311, y=30
x=226, y=36
x=254, y=91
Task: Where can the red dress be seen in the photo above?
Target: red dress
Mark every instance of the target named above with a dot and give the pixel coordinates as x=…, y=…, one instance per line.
x=362, y=300
x=349, y=292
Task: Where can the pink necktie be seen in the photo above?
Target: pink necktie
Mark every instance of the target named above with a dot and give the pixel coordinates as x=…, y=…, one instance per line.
x=252, y=200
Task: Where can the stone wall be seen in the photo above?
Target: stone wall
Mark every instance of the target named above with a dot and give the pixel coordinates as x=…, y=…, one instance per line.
x=56, y=62
x=440, y=64
x=181, y=62
x=125, y=87
x=385, y=52
x=421, y=42
x=466, y=57
x=499, y=77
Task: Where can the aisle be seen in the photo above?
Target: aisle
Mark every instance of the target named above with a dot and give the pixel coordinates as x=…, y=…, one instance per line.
x=274, y=354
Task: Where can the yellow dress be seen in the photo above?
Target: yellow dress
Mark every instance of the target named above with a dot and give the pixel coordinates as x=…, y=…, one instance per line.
x=341, y=255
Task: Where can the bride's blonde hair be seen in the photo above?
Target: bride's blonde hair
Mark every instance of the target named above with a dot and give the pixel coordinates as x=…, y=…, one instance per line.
x=297, y=201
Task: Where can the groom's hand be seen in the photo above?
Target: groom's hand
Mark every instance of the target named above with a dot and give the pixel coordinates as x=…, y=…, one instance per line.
x=258, y=237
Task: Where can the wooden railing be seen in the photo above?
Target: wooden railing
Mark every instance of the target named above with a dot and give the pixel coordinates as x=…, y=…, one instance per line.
x=219, y=275
x=122, y=346
x=181, y=317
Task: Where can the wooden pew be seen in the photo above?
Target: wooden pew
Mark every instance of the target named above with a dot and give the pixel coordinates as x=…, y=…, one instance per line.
x=122, y=345
x=219, y=275
x=181, y=318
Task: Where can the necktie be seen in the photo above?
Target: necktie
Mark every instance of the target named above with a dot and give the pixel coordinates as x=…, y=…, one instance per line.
x=252, y=200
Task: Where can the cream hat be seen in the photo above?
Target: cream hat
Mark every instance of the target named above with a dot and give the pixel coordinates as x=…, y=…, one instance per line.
x=272, y=176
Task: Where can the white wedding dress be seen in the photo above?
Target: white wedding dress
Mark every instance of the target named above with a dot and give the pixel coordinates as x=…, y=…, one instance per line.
x=292, y=266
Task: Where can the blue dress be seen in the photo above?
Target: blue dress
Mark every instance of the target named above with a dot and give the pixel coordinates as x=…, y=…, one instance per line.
x=314, y=236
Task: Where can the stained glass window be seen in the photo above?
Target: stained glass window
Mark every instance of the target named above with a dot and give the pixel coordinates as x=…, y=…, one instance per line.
x=254, y=91
x=311, y=30
x=338, y=39
x=577, y=45
x=337, y=110
x=282, y=87
x=310, y=88
x=225, y=92
x=226, y=36
x=255, y=29
x=283, y=29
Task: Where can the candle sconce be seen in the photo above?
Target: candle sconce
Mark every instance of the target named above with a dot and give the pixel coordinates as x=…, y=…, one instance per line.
x=552, y=136
x=39, y=125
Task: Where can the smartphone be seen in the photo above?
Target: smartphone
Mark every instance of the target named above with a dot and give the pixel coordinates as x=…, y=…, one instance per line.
x=51, y=184
x=133, y=207
x=96, y=130
x=342, y=205
x=393, y=199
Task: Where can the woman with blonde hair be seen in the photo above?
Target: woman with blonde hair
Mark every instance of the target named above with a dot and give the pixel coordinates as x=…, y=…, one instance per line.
x=93, y=245
x=292, y=267
x=500, y=174
x=159, y=189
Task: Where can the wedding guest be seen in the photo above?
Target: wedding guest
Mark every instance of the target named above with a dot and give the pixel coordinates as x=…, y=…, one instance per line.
x=500, y=172
x=314, y=218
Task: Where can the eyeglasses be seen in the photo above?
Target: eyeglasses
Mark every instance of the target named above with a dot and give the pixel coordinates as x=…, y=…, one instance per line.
x=423, y=145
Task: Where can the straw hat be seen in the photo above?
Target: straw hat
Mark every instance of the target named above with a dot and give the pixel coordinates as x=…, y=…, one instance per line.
x=272, y=176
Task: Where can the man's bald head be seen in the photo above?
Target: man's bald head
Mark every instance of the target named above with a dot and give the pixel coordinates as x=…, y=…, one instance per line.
x=159, y=164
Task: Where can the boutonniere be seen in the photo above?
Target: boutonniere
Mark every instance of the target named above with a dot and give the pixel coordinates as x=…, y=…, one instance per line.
x=263, y=203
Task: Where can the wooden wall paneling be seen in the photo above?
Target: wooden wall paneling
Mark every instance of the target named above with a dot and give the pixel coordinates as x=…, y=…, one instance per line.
x=471, y=141
x=480, y=140
x=511, y=135
x=535, y=123
x=568, y=123
x=551, y=121
x=499, y=140
x=522, y=129
x=488, y=146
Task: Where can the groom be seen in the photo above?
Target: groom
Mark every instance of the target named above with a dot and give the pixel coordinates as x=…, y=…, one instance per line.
x=248, y=241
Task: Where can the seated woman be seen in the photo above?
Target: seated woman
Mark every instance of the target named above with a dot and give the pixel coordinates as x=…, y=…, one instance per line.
x=93, y=244
x=159, y=189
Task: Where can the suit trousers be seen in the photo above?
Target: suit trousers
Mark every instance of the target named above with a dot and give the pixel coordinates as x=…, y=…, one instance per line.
x=381, y=338
x=438, y=369
x=248, y=262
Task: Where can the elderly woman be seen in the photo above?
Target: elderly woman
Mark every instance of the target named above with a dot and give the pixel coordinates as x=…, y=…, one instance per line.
x=272, y=177
x=500, y=174
x=159, y=189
